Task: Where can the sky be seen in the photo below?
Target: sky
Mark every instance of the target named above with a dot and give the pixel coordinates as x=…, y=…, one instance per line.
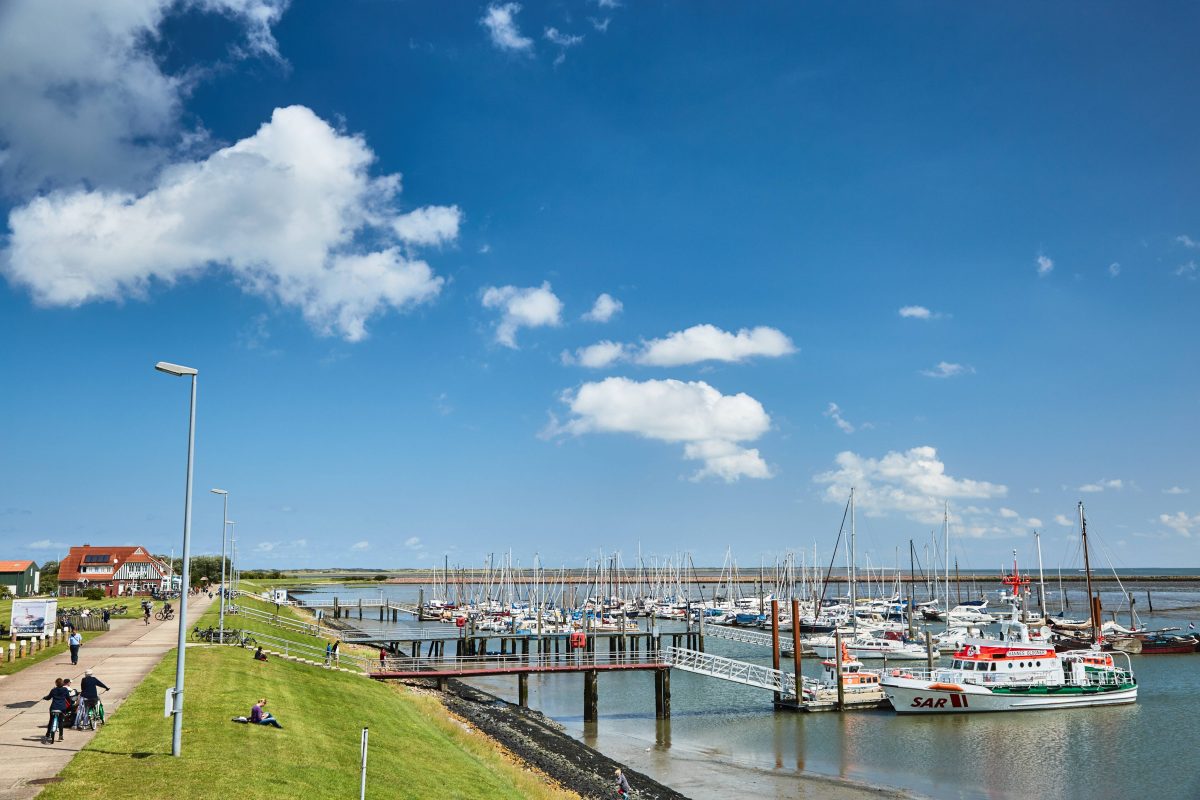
x=590, y=276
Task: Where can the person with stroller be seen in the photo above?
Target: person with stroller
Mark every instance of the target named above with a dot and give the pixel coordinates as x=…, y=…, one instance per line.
x=89, y=698
x=59, y=697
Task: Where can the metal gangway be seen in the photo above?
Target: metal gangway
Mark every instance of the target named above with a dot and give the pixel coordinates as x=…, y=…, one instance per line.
x=738, y=635
x=729, y=669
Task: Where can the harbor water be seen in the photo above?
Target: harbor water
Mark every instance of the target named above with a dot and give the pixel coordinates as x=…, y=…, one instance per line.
x=726, y=739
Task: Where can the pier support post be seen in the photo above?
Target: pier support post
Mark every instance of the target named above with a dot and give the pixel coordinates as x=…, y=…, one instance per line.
x=336, y=607
x=929, y=651
x=441, y=684
x=523, y=689
x=837, y=673
x=796, y=649
x=662, y=693
x=420, y=605
x=360, y=608
x=775, y=642
x=590, y=690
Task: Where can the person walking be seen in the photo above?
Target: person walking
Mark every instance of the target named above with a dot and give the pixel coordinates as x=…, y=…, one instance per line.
x=382, y=658
x=335, y=652
x=105, y=615
x=146, y=611
x=88, y=698
x=328, y=653
x=75, y=642
x=58, y=697
x=623, y=789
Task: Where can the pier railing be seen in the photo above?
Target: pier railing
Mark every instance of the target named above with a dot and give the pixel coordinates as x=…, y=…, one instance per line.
x=315, y=655
x=730, y=669
x=295, y=626
x=533, y=662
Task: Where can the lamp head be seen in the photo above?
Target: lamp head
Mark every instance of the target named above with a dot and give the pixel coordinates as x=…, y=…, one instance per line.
x=218, y=491
x=174, y=369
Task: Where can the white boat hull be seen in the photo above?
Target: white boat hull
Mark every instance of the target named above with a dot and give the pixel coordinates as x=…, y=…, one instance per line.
x=911, y=696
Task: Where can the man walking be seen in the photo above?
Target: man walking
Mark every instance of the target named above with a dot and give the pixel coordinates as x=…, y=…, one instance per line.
x=74, y=643
x=88, y=697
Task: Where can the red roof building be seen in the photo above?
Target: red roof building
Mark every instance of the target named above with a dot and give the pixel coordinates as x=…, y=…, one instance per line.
x=119, y=571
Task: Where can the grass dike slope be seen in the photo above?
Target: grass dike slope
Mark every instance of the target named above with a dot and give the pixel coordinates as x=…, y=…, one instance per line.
x=416, y=749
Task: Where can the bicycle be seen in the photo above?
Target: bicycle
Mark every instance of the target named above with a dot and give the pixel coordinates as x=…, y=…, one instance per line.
x=162, y=615
x=55, y=727
x=92, y=715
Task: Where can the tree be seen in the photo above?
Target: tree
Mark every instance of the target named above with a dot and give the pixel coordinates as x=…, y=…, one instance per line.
x=48, y=580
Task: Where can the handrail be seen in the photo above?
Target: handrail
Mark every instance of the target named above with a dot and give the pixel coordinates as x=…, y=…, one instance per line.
x=451, y=664
x=290, y=648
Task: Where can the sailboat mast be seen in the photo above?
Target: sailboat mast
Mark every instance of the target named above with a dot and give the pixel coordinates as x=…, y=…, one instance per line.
x=946, y=547
x=853, y=558
x=1088, y=569
x=1041, y=577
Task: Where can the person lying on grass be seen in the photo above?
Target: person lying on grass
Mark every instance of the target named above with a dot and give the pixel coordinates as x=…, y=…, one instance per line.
x=260, y=716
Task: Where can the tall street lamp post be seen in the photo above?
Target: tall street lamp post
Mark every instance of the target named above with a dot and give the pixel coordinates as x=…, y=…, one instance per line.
x=224, y=525
x=177, y=733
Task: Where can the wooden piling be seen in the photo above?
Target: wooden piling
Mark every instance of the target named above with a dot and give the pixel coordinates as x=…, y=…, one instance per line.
x=796, y=650
x=775, y=642
x=837, y=673
x=421, y=605
x=590, y=689
x=1149, y=602
x=523, y=689
x=360, y=608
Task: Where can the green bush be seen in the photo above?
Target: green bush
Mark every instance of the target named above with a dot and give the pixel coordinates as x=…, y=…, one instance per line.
x=4, y=591
x=93, y=594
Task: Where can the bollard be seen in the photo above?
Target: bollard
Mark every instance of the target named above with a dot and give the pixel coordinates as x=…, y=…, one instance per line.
x=12, y=652
x=523, y=689
x=590, y=704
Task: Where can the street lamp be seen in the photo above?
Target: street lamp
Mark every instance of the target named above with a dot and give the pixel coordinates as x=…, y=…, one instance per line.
x=233, y=571
x=177, y=734
x=224, y=527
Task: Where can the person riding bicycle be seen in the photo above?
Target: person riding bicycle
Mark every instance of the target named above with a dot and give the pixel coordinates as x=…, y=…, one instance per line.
x=59, y=696
x=146, y=611
x=89, y=697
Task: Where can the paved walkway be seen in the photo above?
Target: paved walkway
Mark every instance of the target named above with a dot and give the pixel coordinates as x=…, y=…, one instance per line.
x=121, y=658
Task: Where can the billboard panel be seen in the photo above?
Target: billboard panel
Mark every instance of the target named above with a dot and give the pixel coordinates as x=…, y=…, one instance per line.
x=33, y=617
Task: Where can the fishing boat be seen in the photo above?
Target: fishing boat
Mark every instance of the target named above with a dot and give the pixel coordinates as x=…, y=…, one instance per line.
x=1015, y=673
x=1163, y=643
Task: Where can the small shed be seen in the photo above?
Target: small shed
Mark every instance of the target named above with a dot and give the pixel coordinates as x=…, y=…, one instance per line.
x=21, y=577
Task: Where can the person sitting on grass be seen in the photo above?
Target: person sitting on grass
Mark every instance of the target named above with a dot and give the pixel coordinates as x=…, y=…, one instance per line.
x=260, y=716
x=259, y=655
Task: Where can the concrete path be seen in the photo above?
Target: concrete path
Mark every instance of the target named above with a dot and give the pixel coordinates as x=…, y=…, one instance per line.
x=120, y=658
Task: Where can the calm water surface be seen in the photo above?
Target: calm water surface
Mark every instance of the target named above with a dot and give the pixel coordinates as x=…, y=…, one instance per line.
x=725, y=736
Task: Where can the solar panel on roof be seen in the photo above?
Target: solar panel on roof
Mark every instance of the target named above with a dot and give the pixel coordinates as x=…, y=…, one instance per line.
x=96, y=559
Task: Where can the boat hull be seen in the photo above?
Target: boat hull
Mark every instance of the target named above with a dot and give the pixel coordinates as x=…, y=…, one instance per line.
x=909, y=696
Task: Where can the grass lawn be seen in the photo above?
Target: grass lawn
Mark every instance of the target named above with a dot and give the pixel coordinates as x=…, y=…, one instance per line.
x=9, y=667
x=132, y=604
x=416, y=750
x=244, y=622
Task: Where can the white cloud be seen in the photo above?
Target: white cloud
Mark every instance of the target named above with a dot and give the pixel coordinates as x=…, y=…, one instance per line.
x=696, y=344
x=1180, y=522
x=945, y=369
x=530, y=307
x=605, y=308
x=600, y=25
x=1176, y=490
x=1033, y=522
x=710, y=425
x=429, y=225
x=1064, y=520
x=83, y=97
x=835, y=413
x=46, y=544
x=557, y=37
x=1008, y=513
x=1187, y=270
x=913, y=482
x=282, y=210
x=596, y=356
x=1187, y=241
x=608, y=3
x=710, y=343
x=363, y=545
x=1045, y=265
x=1114, y=269
x=501, y=22
x=1099, y=486
x=414, y=543
x=916, y=312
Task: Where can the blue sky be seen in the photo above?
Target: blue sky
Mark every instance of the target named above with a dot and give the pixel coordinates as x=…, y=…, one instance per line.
x=934, y=252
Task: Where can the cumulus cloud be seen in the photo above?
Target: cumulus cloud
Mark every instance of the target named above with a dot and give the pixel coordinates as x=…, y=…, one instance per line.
x=913, y=482
x=710, y=343
x=1064, y=520
x=1187, y=241
x=414, y=543
x=283, y=211
x=694, y=345
x=916, y=312
x=83, y=97
x=1176, y=490
x=429, y=225
x=1114, y=269
x=46, y=544
x=501, y=23
x=945, y=369
x=363, y=545
x=1099, y=486
x=529, y=307
x=605, y=308
x=1187, y=270
x=835, y=413
x=711, y=426
x=596, y=356
x=1045, y=265
x=1180, y=522
x=600, y=25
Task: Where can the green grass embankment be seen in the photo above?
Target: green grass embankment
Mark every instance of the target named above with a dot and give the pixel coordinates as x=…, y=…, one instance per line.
x=416, y=749
x=9, y=667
